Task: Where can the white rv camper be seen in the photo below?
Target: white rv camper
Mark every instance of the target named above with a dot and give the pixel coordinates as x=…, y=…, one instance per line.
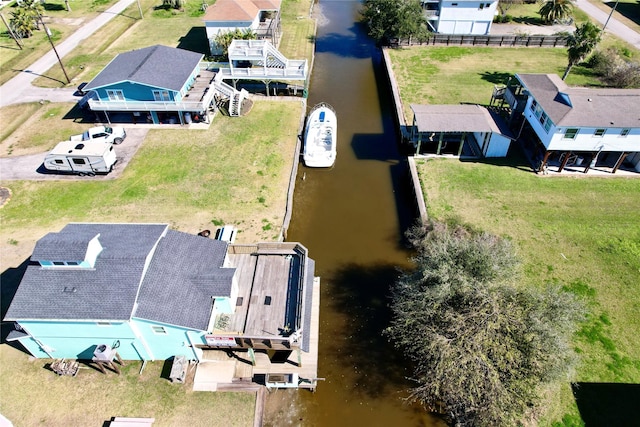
x=81, y=158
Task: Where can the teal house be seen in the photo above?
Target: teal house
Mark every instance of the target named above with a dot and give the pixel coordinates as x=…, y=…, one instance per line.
x=156, y=84
x=141, y=288
x=150, y=293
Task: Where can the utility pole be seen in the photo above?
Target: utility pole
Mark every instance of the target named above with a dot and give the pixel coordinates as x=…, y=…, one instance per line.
x=46, y=30
x=11, y=32
x=140, y=10
x=609, y=17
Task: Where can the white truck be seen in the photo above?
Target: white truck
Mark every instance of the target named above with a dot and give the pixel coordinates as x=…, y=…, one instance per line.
x=80, y=158
x=112, y=135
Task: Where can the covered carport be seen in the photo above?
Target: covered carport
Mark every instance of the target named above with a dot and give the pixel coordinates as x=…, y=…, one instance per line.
x=444, y=129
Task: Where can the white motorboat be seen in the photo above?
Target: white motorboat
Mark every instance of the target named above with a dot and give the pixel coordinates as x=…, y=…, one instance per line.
x=320, y=137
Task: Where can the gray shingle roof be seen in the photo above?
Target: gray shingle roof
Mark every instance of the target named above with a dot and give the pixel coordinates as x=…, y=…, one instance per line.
x=583, y=107
x=158, y=66
x=106, y=292
x=456, y=118
x=184, y=275
x=62, y=246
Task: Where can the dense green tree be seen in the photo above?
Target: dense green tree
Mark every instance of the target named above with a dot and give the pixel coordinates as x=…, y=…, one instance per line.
x=21, y=23
x=581, y=43
x=223, y=40
x=173, y=4
x=26, y=17
x=402, y=19
x=481, y=347
x=505, y=5
x=553, y=10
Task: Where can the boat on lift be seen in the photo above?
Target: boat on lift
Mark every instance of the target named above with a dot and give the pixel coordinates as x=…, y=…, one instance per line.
x=320, y=137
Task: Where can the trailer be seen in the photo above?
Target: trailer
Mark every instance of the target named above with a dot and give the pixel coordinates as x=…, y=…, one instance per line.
x=81, y=158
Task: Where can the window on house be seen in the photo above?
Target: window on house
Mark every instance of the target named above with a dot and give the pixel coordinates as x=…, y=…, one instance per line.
x=600, y=132
x=115, y=95
x=571, y=133
x=103, y=323
x=161, y=95
x=624, y=132
x=454, y=4
x=58, y=262
x=160, y=330
x=543, y=118
x=487, y=5
x=481, y=6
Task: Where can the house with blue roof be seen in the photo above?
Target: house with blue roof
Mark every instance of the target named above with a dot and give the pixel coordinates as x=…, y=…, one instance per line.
x=152, y=293
x=161, y=85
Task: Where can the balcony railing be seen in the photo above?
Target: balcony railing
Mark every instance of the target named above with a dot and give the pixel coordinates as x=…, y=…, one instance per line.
x=202, y=105
x=295, y=70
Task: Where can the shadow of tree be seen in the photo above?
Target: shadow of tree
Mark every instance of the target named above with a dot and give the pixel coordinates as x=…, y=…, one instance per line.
x=360, y=293
x=530, y=20
x=495, y=77
x=53, y=6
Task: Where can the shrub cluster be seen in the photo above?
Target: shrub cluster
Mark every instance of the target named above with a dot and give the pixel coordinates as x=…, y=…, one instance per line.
x=615, y=68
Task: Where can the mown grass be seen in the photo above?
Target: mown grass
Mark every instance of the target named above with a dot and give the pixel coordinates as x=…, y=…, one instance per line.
x=237, y=172
x=451, y=75
x=184, y=29
x=33, y=396
x=583, y=234
x=299, y=28
x=528, y=13
x=125, y=32
x=59, y=21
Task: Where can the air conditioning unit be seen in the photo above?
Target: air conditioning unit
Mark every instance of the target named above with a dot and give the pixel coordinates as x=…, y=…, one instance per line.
x=103, y=353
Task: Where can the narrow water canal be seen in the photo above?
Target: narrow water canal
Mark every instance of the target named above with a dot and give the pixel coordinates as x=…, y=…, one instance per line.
x=352, y=218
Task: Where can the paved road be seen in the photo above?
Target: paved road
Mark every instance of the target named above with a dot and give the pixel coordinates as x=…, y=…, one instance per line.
x=614, y=26
x=19, y=88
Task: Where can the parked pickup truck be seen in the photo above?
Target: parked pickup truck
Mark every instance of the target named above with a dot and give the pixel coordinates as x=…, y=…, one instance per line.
x=113, y=135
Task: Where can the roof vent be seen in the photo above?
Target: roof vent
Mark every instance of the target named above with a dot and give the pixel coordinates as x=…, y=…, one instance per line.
x=267, y=300
x=589, y=99
x=69, y=289
x=81, y=146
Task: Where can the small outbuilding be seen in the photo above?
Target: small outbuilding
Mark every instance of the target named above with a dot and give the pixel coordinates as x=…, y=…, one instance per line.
x=448, y=129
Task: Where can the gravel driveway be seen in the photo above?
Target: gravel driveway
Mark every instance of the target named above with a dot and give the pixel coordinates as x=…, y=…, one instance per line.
x=30, y=167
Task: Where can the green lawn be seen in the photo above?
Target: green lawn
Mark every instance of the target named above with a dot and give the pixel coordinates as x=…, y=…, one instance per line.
x=128, y=31
x=451, y=75
x=235, y=172
x=61, y=24
x=184, y=29
x=581, y=233
x=33, y=396
x=527, y=13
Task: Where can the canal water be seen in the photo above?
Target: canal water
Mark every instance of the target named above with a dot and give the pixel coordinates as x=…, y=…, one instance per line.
x=352, y=218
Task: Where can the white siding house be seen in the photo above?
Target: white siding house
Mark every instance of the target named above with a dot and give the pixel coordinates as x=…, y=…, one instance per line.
x=588, y=123
x=466, y=17
x=259, y=16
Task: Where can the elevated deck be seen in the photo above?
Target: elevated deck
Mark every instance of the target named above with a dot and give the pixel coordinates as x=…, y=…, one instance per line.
x=260, y=60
